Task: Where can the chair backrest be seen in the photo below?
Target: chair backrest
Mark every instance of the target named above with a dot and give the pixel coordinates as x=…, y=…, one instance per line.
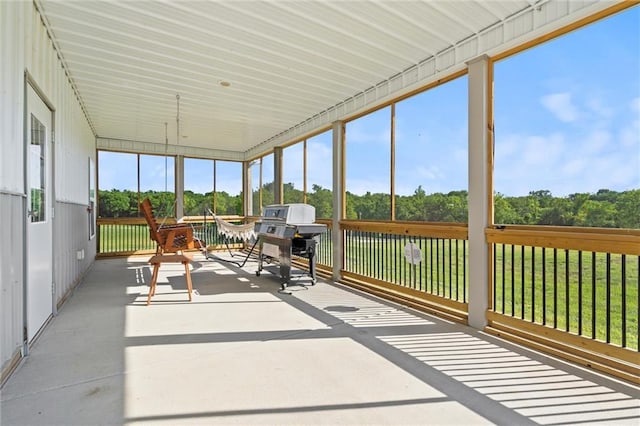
x=147, y=212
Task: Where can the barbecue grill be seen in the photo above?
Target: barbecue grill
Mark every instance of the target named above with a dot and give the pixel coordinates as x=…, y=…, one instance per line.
x=285, y=230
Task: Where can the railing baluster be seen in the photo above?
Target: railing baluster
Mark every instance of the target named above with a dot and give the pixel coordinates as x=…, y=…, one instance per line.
x=377, y=260
x=365, y=260
x=431, y=265
x=394, y=259
x=567, y=295
x=495, y=284
x=388, y=261
x=555, y=288
x=580, y=293
x=522, y=281
x=593, y=295
x=464, y=271
x=544, y=286
x=450, y=270
x=457, y=269
x=443, y=263
x=422, y=264
x=503, y=277
x=513, y=281
x=533, y=284
x=353, y=237
x=623, y=290
x=369, y=254
x=608, y=298
x=360, y=258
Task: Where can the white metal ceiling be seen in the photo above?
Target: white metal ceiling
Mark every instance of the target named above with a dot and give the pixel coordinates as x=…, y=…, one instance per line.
x=292, y=65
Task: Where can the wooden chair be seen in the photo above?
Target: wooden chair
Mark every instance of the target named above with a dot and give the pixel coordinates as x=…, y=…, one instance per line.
x=170, y=238
x=157, y=260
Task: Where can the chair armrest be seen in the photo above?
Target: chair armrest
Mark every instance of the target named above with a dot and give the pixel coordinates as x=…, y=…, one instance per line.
x=174, y=226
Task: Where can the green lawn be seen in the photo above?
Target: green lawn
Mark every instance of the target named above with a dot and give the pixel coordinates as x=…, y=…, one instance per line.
x=570, y=296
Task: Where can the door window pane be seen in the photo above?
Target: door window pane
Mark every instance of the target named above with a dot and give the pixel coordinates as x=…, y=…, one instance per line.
x=37, y=160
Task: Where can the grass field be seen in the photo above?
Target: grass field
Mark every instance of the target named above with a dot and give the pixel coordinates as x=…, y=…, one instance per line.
x=591, y=294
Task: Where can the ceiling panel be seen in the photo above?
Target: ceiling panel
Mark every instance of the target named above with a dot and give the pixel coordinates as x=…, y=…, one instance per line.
x=286, y=61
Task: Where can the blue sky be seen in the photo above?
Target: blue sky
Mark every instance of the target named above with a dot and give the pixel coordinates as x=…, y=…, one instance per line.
x=567, y=119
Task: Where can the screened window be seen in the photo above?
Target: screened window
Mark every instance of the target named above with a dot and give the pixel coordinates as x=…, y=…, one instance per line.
x=431, y=157
x=125, y=179
x=567, y=141
x=255, y=170
x=157, y=181
x=228, y=188
x=198, y=186
x=212, y=186
x=293, y=173
x=267, y=191
x=320, y=174
x=368, y=166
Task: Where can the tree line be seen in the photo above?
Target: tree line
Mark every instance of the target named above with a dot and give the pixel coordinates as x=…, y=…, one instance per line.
x=605, y=208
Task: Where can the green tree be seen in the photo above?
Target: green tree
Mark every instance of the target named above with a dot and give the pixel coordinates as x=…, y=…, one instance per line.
x=322, y=200
x=113, y=203
x=557, y=212
x=291, y=194
x=596, y=213
x=628, y=207
x=504, y=212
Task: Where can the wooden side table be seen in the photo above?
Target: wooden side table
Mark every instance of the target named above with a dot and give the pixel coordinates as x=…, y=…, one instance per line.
x=157, y=260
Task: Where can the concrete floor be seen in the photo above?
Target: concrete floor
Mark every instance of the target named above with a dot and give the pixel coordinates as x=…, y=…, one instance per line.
x=243, y=353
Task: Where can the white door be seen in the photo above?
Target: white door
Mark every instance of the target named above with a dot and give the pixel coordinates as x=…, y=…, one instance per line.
x=39, y=214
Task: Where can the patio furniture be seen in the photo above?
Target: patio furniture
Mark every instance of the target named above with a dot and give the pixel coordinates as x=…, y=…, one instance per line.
x=230, y=231
x=159, y=259
x=172, y=238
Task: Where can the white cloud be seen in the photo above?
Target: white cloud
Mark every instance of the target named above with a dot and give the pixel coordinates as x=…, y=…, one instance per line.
x=561, y=105
x=360, y=133
x=429, y=173
x=320, y=168
x=362, y=186
x=574, y=167
x=543, y=150
x=600, y=110
x=595, y=142
x=629, y=135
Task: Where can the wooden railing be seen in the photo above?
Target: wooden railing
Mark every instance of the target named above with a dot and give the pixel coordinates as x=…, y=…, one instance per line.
x=127, y=236
x=434, y=275
x=123, y=236
x=570, y=288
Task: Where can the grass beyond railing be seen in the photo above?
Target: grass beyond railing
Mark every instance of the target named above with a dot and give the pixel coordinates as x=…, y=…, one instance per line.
x=324, y=249
x=378, y=251
x=126, y=236
x=581, y=282
x=123, y=236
